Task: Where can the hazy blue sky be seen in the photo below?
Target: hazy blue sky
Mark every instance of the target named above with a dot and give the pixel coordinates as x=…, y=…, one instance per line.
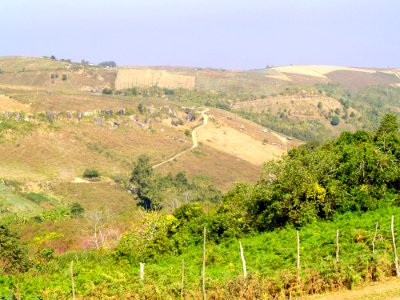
x=239, y=34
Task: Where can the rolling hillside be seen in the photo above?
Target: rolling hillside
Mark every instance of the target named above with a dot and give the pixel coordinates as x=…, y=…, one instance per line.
x=173, y=136
x=55, y=122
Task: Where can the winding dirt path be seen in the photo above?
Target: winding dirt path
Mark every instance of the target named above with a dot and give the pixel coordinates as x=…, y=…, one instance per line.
x=194, y=140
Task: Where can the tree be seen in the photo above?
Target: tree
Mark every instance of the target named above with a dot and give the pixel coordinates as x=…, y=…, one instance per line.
x=141, y=178
x=389, y=124
x=52, y=57
x=13, y=257
x=387, y=134
x=142, y=169
x=101, y=227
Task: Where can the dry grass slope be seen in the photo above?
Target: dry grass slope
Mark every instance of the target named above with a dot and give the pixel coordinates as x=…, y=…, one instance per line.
x=127, y=78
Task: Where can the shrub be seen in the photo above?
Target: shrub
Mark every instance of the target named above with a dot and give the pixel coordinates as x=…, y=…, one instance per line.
x=140, y=108
x=64, y=77
x=76, y=210
x=335, y=121
x=132, y=91
x=188, y=133
x=91, y=173
x=169, y=91
x=107, y=91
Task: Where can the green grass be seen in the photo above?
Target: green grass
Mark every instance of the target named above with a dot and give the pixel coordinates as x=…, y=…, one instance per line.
x=270, y=256
x=37, y=197
x=11, y=202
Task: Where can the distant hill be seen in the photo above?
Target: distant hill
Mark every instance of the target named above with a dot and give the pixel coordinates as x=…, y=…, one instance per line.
x=299, y=101
x=41, y=98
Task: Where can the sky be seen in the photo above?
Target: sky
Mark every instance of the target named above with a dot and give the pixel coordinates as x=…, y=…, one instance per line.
x=234, y=34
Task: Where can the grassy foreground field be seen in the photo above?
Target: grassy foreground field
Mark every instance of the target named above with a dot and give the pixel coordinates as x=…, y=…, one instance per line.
x=271, y=265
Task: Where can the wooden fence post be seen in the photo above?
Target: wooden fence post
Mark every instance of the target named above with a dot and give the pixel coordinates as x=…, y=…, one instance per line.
x=374, y=239
x=243, y=261
x=71, y=269
x=183, y=277
x=337, y=246
x=298, y=255
x=203, y=273
x=141, y=271
x=396, y=261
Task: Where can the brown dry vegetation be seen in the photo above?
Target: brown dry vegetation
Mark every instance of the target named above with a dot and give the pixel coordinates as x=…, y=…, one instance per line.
x=69, y=147
x=252, y=129
x=127, y=78
x=61, y=101
x=223, y=169
x=19, y=63
x=229, y=134
x=8, y=104
x=66, y=149
x=37, y=72
x=357, y=80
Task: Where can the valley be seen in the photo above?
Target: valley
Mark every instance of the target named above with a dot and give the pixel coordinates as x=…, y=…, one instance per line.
x=112, y=166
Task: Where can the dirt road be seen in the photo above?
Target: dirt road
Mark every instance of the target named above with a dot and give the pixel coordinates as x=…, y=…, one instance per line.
x=194, y=140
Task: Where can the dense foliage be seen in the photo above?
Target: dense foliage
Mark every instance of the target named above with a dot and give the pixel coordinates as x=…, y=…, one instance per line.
x=155, y=191
x=357, y=172
x=13, y=257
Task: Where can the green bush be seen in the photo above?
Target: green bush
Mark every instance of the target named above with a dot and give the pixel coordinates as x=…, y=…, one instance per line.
x=188, y=132
x=107, y=91
x=335, y=121
x=13, y=257
x=76, y=209
x=91, y=173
